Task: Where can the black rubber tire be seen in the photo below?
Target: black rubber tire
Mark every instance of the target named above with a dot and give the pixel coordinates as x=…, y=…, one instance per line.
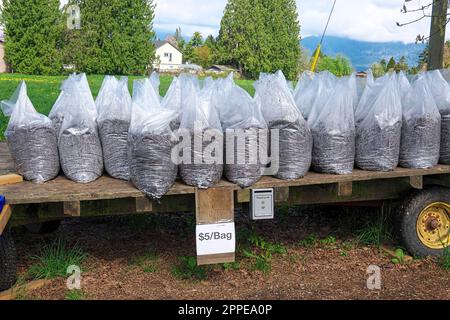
x=43, y=227
x=8, y=262
x=409, y=213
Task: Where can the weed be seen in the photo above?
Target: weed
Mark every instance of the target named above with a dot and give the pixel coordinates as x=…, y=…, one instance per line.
x=54, y=259
x=399, y=257
x=376, y=231
x=263, y=261
x=231, y=266
x=328, y=241
x=75, y=295
x=344, y=253
x=309, y=242
x=444, y=260
x=147, y=263
x=187, y=269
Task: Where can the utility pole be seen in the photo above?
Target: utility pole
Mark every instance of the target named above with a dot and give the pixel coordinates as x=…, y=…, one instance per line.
x=437, y=35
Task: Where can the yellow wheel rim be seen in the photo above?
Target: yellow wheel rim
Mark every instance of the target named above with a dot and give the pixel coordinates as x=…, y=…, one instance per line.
x=433, y=225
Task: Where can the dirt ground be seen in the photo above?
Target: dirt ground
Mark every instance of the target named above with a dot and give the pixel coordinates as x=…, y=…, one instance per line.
x=320, y=258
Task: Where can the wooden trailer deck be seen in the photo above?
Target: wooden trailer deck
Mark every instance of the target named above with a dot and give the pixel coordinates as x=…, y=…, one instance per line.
x=106, y=188
x=61, y=198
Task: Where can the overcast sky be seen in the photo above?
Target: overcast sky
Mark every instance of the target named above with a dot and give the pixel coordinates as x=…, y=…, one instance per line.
x=370, y=20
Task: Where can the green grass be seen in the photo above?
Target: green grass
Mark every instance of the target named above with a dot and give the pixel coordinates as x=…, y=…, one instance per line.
x=187, y=269
x=376, y=231
x=75, y=295
x=44, y=90
x=444, y=260
x=54, y=259
x=147, y=262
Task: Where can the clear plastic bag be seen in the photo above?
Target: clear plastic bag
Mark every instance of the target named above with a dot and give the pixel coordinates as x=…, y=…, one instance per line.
x=313, y=89
x=200, y=122
x=114, y=117
x=242, y=122
x=333, y=127
x=172, y=101
x=281, y=113
x=379, y=126
x=156, y=83
x=31, y=139
x=152, y=169
x=58, y=111
x=440, y=90
x=79, y=143
x=421, y=130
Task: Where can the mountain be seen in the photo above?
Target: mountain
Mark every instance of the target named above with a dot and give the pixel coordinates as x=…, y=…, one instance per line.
x=363, y=54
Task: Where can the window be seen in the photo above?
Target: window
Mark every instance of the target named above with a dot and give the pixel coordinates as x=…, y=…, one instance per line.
x=168, y=55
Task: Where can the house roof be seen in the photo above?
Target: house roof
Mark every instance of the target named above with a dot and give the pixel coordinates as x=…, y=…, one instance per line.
x=159, y=44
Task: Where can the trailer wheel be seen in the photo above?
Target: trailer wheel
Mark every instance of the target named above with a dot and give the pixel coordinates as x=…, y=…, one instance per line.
x=425, y=222
x=43, y=227
x=8, y=262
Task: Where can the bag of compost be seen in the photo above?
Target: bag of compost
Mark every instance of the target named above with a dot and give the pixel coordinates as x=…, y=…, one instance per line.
x=379, y=126
x=333, y=127
x=440, y=90
x=281, y=113
x=150, y=143
x=312, y=89
x=114, y=117
x=31, y=139
x=202, y=164
x=79, y=143
x=58, y=111
x=421, y=130
x=242, y=122
x=156, y=83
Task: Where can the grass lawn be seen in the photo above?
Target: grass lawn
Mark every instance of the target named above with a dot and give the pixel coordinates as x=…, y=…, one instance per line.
x=43, y=90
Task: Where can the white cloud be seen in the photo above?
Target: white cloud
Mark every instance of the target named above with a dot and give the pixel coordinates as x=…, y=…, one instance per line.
x=371, y=20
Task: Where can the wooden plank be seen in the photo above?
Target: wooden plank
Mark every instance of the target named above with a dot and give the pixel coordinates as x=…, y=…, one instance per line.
x=345, y=189
x=281, y=194
x=215, y=206
x=10, y=179
x=416, y=182
x=143, y=205
x=244, y=196
x=14, y=292
x=5, y=215
x=72, y=208
x=216, y=259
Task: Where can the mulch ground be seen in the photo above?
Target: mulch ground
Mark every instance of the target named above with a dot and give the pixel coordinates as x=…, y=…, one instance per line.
x=336, y=270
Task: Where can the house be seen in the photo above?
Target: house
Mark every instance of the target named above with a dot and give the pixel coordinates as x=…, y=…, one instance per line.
x=361, y=74
x=3, y=65
x=168, y=57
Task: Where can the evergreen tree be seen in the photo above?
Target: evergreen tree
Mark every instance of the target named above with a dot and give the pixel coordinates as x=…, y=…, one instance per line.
x=402, y=65
x=260, y=36
x=179, y=39
x=383, y=64
x=391, y=64
x=196, y=40
x=32, y=35
x=116, y=37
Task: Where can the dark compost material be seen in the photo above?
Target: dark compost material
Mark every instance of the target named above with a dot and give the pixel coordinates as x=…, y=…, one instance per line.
x=445, y=140
x=334, y=151
x=152, y=170
x=246, y=168
x=378, y=149
x=114, y=137
x=295, y=148
x=200, y=175
x=81, y=155
x=35, y=152
x=420, y=145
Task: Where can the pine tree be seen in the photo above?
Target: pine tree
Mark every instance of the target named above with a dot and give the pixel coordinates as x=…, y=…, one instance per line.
x=402, y=65
x=260, y=36
x=391, y=64
x=116, y=37
x=32, y=35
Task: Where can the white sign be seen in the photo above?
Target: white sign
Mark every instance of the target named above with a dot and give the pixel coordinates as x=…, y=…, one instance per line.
x=262, y=204
x=216, y=239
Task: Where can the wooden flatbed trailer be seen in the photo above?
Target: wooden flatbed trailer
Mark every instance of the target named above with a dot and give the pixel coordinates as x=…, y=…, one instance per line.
x=423, y=224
